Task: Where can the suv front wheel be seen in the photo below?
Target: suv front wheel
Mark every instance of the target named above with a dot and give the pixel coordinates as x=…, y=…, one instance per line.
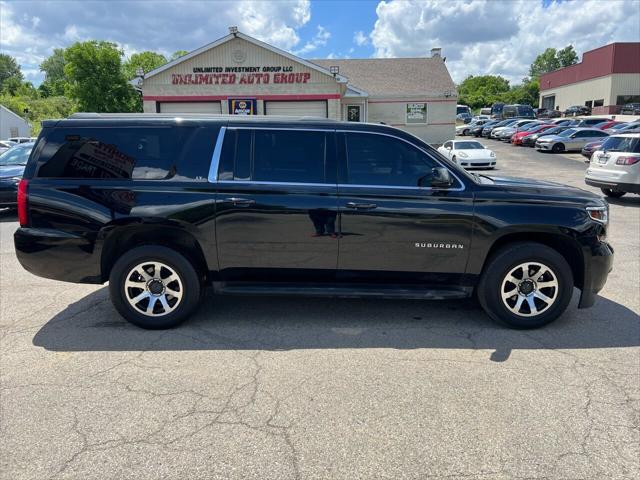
x=526, y=285
x=154, y=287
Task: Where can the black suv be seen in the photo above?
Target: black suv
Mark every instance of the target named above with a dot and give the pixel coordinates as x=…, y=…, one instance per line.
x=162, y=206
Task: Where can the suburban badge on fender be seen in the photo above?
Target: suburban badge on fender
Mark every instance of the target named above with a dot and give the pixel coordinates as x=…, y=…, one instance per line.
x=458, y=246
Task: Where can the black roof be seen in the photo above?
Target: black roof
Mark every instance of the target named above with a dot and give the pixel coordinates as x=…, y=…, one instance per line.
x=171, y=119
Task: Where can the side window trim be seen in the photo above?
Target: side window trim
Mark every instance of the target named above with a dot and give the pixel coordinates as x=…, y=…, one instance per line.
x=215, y=159
x=217, y=152
x=434, y=159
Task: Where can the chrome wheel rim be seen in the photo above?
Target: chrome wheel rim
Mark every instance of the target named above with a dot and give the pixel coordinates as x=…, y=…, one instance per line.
x=529, y=289
x=153, y=289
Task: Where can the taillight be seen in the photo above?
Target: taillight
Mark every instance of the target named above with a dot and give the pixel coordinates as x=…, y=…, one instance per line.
x=23, y=199
x=627, y=160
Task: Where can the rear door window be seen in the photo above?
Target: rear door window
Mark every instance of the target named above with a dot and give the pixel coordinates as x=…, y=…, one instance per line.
x=277, y=156
x=144, y=153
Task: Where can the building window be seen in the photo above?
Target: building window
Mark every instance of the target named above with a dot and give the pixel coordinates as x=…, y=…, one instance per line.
x=598, y=103
x=624, y=99
x=353, y=113
x=588, y=103
x=416, y=113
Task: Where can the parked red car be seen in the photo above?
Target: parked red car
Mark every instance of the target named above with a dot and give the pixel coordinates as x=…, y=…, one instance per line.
x=516, y=139
x=607, y=124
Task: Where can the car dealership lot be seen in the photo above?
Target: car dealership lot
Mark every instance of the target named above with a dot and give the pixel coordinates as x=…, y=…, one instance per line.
x=323, y=388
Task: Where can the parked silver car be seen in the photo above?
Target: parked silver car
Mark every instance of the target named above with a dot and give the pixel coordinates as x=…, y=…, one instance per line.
x=504, y=133
x=571, y=139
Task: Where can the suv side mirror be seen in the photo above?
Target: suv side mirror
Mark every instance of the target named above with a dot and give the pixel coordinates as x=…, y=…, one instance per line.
x=438, y=177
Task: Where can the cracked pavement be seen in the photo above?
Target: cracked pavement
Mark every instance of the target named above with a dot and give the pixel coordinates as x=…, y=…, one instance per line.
x=257, y=387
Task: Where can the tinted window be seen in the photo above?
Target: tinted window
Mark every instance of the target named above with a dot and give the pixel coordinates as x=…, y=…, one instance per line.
x=382, y=160
x=147, y=153
x=289, y=156
x=622, y=144
x=235, y=159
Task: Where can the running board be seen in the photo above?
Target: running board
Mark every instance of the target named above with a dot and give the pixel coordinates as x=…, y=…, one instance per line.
x=342, y=291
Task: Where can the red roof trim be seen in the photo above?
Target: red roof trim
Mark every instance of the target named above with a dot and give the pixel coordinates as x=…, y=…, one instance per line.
x=211, y=98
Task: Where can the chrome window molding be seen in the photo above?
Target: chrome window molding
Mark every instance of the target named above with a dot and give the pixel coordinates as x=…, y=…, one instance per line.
x=261, y=182
x=215, y=159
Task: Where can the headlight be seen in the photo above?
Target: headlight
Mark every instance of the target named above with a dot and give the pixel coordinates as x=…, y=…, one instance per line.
x=462, y=154
x=599, y=214
x=492, y=155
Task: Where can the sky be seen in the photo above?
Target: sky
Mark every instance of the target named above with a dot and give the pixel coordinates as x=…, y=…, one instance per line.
x=478, y=37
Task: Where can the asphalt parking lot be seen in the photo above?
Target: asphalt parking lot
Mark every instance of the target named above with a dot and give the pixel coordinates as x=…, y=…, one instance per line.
x=313, y=389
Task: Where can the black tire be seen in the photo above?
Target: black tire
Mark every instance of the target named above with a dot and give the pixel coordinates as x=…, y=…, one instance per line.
x=191, y=286
x=453, y=159
x=612, y=193
x=558, y=148
x=501, y=263
x=465, y=132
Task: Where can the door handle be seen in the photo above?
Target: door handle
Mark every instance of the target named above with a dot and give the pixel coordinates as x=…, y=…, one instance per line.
x=361, y=206
x=240, y=202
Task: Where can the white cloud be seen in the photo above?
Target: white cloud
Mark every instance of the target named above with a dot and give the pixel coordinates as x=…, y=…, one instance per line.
x=163, y=27
x=360, y=38
x=499, y=37
x=320, y=39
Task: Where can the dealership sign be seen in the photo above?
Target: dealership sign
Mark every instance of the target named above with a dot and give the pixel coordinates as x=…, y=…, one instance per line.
x=240, y=76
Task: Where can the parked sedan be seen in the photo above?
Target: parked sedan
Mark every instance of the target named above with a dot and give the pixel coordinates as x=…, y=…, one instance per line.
x=504, y=134
x=606, y=124
x=577, y=110
x=591, y=147
x=623, y=128
x=486, y=132
x=631, y=109
x=530, y=140
x=476, y=131
x=468, y=153
x=466, y=128
x=569, y=140
x=12, y=163
x=518, y=137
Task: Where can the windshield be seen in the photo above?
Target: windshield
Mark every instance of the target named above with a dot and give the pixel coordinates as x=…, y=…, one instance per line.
x=468, y=146
x=621, y=144
x=629, y=126
x=17, y=155
x=462, y=109
x=619, y=126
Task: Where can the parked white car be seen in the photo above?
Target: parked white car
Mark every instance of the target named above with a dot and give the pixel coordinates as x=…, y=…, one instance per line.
x=468, y=154
x=615, y=166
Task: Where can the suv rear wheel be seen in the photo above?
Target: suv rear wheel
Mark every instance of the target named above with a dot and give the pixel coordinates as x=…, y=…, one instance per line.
x=154, y=287
x=526, y=285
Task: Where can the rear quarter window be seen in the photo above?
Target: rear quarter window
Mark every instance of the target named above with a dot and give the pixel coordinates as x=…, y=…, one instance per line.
x=143, y=153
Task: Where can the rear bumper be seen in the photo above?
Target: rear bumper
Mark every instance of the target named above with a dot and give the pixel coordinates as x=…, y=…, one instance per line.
x=598, y=264
x=58, y=255
x=624, y=187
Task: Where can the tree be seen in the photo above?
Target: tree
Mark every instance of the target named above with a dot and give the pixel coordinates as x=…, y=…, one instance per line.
x=567, y=56
x=177, y=54
x=96, y=81
x=482, y=91
x=55, y=80
x=146, y=60
x=547, y=61
x=9, y=70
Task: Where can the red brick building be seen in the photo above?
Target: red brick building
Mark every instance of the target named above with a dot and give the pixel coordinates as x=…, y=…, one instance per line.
x=606, y=78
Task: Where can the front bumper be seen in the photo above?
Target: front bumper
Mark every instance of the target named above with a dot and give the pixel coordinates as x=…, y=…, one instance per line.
x=544, y=146
x=598, y=262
